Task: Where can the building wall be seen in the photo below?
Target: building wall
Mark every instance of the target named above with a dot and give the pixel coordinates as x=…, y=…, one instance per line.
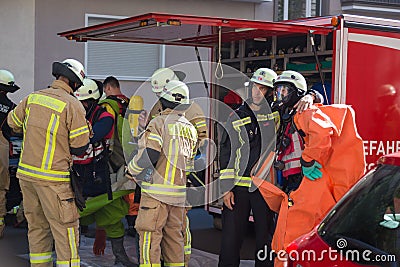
x=30, y=42
x=17, y=43
x=54, y=16
x=334, y=7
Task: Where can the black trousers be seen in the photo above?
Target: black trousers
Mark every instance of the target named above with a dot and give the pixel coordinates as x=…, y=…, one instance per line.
x=234, y=226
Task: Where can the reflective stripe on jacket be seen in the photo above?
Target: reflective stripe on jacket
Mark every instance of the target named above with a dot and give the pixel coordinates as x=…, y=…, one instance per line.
x=52, y=121
x=175, y=138
x=247, y=135
x=194, y=114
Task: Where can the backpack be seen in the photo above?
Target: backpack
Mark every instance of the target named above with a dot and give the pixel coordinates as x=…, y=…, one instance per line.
x=120, y=142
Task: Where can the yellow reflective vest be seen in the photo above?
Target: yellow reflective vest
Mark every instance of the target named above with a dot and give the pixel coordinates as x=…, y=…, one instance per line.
x=52, y=121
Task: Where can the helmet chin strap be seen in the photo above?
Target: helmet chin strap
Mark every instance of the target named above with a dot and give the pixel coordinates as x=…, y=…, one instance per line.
x=73, y=85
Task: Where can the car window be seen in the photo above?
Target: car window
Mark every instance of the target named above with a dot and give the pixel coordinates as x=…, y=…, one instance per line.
x=368, y=218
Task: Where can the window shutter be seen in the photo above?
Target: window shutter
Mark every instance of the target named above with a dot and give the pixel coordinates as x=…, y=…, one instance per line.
x=126, y=61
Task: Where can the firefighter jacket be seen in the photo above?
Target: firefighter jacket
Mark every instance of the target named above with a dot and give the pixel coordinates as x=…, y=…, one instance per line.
x=331, y=138
x=6, y=105
x=53, y=121
x=194, y=114
x=248, y=135
x=175, y=138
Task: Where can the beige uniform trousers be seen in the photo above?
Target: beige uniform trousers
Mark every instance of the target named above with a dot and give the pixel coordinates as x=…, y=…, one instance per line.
x=4, y=175
x=187, y=238
x=51, y=213
x=160, y=229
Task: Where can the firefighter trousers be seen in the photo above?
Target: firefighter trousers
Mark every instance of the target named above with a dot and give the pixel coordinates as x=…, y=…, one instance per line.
x=187, y=236
x=51, y=214
x=4, y=176
x=235, y=223
x=160, y=233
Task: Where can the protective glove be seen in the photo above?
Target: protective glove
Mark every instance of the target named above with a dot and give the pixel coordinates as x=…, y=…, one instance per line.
x=312, y=172
x=100, y=242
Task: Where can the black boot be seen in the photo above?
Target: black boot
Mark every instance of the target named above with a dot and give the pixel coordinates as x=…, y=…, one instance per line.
x=117, y=245
x=131, y=219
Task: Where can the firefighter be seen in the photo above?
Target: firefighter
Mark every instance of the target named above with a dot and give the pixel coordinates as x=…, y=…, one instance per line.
x=7, y=85
x=243, y=139
x=195, y=115
x=331, y=143
x=116, y=104
x=168, y=142
x=54, y=127
x=387, y=110
x=93, y=168
x=290, y=144
x=249, y=133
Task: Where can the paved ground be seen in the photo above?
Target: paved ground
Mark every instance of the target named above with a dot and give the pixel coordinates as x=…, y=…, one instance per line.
x=206, y=240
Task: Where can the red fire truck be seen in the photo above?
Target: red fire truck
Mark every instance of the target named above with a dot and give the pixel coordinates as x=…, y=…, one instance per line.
x=356, y=58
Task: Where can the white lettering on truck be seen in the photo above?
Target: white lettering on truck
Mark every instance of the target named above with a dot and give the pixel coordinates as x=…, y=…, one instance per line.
x=380, y=148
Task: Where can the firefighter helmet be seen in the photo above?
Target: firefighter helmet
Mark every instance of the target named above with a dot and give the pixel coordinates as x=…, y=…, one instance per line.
x=162, y=76
x=386, y=90
x=7, y=82
x=264, y=76
x=176, y=92
x=90, y=89
x=71, y=69
x=294, y=78
x=290, y=86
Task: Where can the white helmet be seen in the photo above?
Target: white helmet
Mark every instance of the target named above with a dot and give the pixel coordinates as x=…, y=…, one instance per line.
x=71, y=69
x=264, y=76
x=7, y=81
x=176, y=92
x=89, y=89
x=293, y=77
x=162, y=76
